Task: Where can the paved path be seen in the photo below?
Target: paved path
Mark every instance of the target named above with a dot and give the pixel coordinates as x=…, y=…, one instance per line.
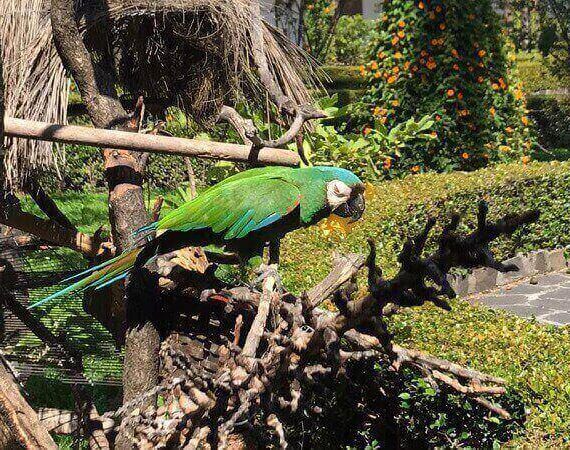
x=548, y=300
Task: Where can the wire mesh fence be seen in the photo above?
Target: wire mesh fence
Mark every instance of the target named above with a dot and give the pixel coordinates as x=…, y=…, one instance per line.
x=31, y=273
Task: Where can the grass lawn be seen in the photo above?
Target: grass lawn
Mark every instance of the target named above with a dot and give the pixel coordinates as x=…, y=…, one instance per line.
x=534, y=358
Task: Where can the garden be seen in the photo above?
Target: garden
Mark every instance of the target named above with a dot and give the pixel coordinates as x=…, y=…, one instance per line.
x=455, y=117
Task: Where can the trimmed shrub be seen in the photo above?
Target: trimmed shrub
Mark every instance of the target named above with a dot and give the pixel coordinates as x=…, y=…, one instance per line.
x=447, y=58
x=345, y=82
x=534, y=73
x=344, y=77
x=552, y=117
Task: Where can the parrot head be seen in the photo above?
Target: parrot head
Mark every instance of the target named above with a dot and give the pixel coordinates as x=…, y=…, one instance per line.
x=345, y=195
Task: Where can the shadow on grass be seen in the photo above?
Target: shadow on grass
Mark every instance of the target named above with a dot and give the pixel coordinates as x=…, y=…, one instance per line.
x=52, y=393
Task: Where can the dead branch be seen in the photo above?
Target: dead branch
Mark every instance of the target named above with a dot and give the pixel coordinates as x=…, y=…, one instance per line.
x=19, y=423
x=303, y=113
x=51, y=231
x=60, y=421
x=258, y=326
x=250, y=135
x=244, y=127
x=191, y=177
x=283, y=102
x=344, y=268
x=46, y=204
x=155, y=213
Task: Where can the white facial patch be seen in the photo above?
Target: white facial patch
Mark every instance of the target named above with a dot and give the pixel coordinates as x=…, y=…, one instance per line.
x=337, y=193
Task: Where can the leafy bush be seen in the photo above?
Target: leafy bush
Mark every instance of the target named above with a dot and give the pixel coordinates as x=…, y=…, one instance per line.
x=447, y=58
x=527, y=354
x=533, y=72
x=367, y=155
x=318, y=21
x=552, y=117
x=555, y=38
x=399, y=408
x=352, y=36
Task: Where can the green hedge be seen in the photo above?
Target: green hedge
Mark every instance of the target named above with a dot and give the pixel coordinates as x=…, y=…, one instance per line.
x=529, y=355
x=400, y=207
x=344, y=77
x=552, y=117
x=535, y=75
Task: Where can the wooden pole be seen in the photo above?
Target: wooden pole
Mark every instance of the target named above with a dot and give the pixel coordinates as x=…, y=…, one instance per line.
x=98, y=137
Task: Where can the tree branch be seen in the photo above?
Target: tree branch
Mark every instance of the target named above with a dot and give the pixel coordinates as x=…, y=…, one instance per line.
x=51, y=231
x=250, y=135
x=124, y=172
x=46, y=204
x=20, y=426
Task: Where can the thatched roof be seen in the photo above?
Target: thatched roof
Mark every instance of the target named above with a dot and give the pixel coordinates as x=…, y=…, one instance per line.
x=35, y=81
x=195, y=54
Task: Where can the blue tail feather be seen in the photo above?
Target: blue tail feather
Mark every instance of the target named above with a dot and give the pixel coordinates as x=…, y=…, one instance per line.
x=99, y=276
x=89, y=271
x=112, y=280
x=57, y=294
x=150, y=227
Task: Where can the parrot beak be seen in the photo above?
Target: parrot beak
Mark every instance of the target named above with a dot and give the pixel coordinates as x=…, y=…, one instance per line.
x=353, y=208
x=356, y=205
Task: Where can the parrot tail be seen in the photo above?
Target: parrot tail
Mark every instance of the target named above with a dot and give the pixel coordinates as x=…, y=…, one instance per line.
x=99, y=276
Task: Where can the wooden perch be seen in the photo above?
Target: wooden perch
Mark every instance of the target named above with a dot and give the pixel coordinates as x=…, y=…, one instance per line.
x=20, y=426
x=97, y=137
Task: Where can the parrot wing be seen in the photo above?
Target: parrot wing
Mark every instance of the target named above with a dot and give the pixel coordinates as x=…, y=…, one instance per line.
x=236, y=208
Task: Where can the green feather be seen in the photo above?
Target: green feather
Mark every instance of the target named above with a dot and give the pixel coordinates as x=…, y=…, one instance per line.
x=237, y=206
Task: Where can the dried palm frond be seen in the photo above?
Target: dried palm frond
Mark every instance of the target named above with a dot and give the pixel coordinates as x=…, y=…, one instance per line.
x=194, y=54
x=36, y=85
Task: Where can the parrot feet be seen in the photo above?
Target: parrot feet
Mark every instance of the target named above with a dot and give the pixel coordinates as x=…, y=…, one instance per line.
x=265, y=271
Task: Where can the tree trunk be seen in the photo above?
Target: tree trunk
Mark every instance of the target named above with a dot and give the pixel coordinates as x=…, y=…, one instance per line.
x=124, y=175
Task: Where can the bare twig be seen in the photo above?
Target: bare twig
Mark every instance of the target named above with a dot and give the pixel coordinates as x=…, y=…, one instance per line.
x=51, y=231
x=155, y=213
x=258, y=326
x=46, y=204
x=344, y=267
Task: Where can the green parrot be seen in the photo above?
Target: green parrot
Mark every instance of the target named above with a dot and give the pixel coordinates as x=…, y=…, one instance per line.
x=241, y=214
